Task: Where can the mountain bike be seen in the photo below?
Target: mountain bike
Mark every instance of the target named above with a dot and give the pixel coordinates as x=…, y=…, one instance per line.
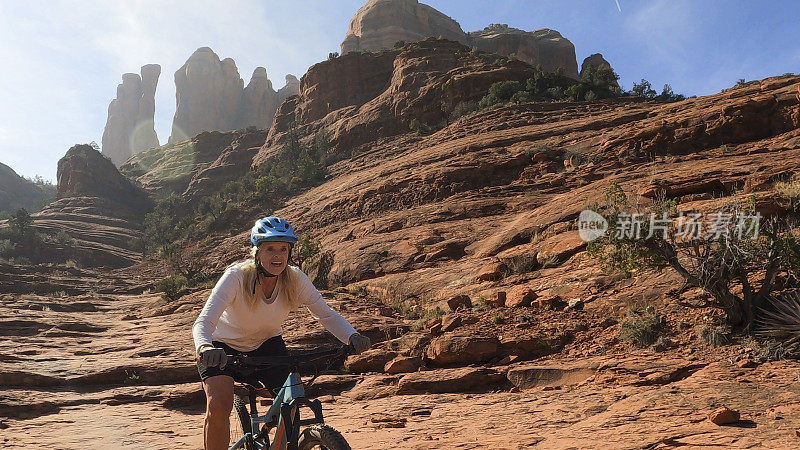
x=283, y=417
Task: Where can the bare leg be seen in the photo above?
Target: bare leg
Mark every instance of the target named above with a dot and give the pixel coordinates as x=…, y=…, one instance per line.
x=219, y=402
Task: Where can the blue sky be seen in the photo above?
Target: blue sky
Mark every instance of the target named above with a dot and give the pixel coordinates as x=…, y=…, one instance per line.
x=62, y=60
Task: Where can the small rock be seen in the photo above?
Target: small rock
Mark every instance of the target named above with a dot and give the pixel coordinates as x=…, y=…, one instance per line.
x=469, y=320
x=128, y=317
x=723, y=416
x=746, y=364
x=372, y=360
x=450, y=322
x=436, y=329
x=326, y=399
x=403, y=364
x=497, y=300
x=797, y=432
x=387, y=421
x=459, y=301
x=491, y=272
x=520, y=296
x=575, y=304
x=421, y=412
x=432, y=322
x=385, y=311
x=3, y=425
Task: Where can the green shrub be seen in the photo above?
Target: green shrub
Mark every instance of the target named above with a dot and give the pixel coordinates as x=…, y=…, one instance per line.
x=500, y=93
x=305, y=248
x=172, y=287
x=463, y=109
x=641, y=330
x=63, y=238
x=790, y=191
x=715, y=262
x=714, y=336
x=418, y=127
x=643, y=89
x=333, y=55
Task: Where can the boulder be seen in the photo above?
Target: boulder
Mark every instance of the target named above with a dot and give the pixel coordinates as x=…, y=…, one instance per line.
x=459, y=301
x=465, y=379
x=520, y=296
x=450, y=322
x=557, y=249
x=461, y=349
x=497, y=299
x=410, y=344
x=130, y=126
x=372, y=360
x=723, y=416
x=373, y=387
x=492, y=271
x=403, y=364
x=550, y=301
x=530, y=376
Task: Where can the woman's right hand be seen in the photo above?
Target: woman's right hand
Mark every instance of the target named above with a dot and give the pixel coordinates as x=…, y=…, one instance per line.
x=213, y=357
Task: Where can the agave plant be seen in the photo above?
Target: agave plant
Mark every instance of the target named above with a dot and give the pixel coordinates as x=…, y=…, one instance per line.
x=782, y=321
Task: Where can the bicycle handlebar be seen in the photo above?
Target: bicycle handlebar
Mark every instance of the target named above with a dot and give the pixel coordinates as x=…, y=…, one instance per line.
x=289, y=360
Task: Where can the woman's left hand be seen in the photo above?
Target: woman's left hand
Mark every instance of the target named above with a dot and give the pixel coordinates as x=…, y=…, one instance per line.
x=359, y=342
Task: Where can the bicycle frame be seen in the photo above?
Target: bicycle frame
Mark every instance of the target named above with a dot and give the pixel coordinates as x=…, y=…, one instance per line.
x=284, y=410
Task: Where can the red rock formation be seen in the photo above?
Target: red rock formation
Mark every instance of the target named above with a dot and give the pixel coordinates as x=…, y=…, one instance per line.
x=379, y=24
x=359, y=96
x=130, y=127
x=211, y=97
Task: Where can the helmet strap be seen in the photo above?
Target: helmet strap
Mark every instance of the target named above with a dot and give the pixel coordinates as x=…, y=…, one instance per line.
x=260, y=271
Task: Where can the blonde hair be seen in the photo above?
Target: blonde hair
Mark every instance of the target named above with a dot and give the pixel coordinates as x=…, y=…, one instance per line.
x=288, y=280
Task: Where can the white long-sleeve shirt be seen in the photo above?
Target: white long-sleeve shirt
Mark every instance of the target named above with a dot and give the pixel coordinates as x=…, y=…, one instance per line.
x=227, y=317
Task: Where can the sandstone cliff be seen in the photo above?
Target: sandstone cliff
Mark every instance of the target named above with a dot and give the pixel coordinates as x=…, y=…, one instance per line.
x=359, y=96
x=130, y=127
x=17, y=192
x=211, y=96
x=379, y=24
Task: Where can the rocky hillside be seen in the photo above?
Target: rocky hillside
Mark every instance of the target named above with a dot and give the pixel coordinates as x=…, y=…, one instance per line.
x=380, y=24
x=101, y=212
x=195, y=167
x=17, y=192
x=457, y=252
x=360, y=96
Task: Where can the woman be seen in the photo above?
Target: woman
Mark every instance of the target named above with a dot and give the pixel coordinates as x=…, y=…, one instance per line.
x=243, y=315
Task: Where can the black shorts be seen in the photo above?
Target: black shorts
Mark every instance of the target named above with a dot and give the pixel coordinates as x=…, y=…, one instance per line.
x=271, y=378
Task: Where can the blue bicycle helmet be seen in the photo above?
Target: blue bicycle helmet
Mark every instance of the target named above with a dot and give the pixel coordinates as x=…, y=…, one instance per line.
x=272, y=229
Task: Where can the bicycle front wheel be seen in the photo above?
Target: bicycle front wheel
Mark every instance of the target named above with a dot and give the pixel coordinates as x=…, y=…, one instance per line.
x=240, y=421
x=322, y=437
